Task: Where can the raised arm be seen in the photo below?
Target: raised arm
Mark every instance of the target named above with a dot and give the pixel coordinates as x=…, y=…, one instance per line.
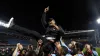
x=18, y=47
x=43, y=19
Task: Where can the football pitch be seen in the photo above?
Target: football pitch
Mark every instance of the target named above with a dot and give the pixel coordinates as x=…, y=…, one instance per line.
x=98, y=50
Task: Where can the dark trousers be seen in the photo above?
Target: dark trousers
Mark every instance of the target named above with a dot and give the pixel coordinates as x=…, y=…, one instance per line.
x=25, y=31
x=48, y=46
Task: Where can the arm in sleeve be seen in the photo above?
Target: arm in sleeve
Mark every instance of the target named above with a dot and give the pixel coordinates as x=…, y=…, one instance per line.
x=43, y=20
x=15, y=53
x=63, y=44
x=61, y=31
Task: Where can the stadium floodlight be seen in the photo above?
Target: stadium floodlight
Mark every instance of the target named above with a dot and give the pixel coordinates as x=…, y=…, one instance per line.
x=98, y=20
x=7, y=25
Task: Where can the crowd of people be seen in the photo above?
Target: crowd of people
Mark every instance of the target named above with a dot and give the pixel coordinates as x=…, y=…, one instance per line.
x=61, y=49
x=49, y=44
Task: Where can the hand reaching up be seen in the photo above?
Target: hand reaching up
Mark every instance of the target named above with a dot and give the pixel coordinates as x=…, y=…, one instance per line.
x=46, y=9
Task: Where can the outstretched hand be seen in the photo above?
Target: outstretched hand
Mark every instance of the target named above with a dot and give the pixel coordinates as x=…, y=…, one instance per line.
x=56, y=27
x=18, y=44
x=46, y=9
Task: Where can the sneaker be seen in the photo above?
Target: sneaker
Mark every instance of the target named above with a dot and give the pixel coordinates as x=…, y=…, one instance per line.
x=10, y=23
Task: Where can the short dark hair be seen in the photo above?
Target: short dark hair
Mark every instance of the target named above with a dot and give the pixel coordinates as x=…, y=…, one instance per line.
x=50, y=19
x=30, y=46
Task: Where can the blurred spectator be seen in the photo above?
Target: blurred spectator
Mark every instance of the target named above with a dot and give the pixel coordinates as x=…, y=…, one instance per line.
x=88, y=51
x=3, y=52
x=94, y=52
x=39, y=50
x=30, y=51
x=24, y=52
x=17, y=51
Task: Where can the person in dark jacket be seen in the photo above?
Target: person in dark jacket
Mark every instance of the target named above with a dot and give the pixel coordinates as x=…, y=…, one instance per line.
x=30, y=51
x=53, y=32
x=52, y=29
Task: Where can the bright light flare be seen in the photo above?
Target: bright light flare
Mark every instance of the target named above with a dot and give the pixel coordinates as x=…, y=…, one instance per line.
x=7, y=25
x=98, y=20
x=3, y=24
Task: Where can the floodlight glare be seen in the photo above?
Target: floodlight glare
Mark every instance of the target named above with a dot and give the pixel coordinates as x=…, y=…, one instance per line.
x=98, y=20
x=7, y=25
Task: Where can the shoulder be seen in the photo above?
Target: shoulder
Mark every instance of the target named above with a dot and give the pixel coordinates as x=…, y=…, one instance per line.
x=59, y=26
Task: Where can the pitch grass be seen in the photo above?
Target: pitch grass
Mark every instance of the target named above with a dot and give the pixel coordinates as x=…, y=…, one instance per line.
x=98, y=50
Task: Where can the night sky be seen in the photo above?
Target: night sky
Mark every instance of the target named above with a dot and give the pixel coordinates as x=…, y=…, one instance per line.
x=71, y=15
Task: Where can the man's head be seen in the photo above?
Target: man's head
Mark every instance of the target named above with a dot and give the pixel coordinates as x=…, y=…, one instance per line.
x=87, y=46
x=40, y=42
x=51, y=22
x=30, y=47
x=73, y=42
x=70, y=45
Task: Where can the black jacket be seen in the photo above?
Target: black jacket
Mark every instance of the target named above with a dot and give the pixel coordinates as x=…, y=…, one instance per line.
x=50, y=31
